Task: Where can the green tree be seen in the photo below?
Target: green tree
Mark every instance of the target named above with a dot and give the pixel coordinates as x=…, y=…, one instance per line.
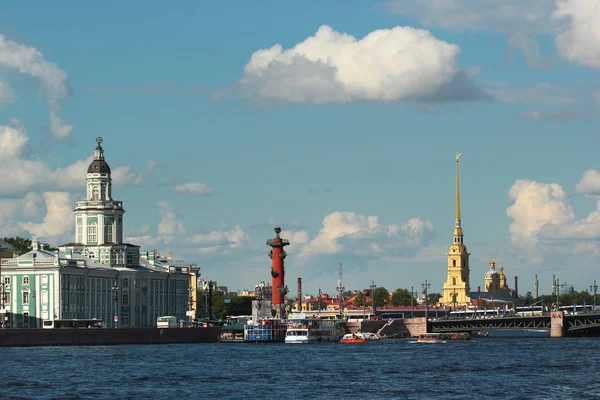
x=219, y=308
x=359, y=300
x=380, y=295
x=433, y=298
x=23, y=245
x=401, y=297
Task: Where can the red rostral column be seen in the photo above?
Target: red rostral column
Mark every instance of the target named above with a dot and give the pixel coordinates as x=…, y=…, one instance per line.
x=277, y=255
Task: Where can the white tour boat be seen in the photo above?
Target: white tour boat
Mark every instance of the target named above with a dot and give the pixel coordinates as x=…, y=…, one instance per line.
x=312, y=330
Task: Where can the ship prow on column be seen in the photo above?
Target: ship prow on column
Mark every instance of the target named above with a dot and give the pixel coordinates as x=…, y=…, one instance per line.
x=268, y=322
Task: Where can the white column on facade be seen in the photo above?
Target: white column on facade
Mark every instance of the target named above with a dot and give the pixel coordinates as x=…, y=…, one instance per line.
x=84, y=224
x=101, y=238
x=38, y=301
x=54, y=294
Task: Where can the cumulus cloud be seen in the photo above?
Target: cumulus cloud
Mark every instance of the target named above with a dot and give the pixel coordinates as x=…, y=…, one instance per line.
x=536, y=205
x=12, y=209
x=589, y=183
x=545, y=229
x=194, y=189
x=216, y=240
x=21, y=172
x=580, y=42
x=53, y=86
x=170, y=224
x=124, y=176
x=58, y=219
x=352, y=233
x=386, y=65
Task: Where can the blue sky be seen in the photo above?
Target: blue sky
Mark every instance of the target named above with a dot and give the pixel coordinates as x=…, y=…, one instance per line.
x=347, y=142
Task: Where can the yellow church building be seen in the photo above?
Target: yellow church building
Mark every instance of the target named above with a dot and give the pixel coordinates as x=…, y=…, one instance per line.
x=457, y=288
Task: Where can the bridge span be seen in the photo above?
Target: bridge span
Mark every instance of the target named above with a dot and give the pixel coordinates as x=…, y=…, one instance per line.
x=559, y=324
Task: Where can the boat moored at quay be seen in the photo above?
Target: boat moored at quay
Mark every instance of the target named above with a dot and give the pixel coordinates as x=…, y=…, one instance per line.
x=359, y=337
x=443, y=337
x=301, y=329
x=265, y=330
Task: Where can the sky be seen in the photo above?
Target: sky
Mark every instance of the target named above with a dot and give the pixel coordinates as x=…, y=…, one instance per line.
x=338, y=121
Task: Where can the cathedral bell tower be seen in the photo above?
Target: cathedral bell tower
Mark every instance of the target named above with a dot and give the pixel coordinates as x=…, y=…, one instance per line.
x=457, y=287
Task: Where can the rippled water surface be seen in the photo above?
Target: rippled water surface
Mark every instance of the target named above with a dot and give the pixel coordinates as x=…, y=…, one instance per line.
x=485, y=368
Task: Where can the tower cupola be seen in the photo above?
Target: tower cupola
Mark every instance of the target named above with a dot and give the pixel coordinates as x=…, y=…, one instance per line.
x=98, y=165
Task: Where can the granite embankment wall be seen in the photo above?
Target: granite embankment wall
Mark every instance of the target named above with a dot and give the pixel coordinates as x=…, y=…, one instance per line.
x=363, y=326
x=403, y=327
x=106, y=336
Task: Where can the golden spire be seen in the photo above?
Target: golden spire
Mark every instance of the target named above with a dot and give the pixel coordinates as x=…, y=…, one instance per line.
x=457, y=194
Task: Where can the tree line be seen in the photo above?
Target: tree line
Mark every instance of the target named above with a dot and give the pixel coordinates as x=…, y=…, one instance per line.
x=23, y=245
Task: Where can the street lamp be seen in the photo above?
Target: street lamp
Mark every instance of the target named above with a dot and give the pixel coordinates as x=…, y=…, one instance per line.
x=373, y=286
x=595, y=289
x=454, y=298
x=412, y=307
x=425, y=287
x=558, y=293
x=115, y=291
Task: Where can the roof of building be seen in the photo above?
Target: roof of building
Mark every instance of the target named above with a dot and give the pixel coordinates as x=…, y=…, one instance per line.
x=4, y=245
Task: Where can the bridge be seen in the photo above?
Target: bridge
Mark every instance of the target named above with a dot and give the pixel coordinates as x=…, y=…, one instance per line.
x=584, y=324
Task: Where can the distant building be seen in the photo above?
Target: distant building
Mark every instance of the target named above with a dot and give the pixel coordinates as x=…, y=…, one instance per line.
x=97, y=275
x=7, y=250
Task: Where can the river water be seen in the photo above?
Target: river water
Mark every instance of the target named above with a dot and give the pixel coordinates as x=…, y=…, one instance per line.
x=483, y=368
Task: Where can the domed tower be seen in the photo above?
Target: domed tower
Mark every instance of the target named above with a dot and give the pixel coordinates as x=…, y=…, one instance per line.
x=99, y=219
x=457, y=286
x=492, y=279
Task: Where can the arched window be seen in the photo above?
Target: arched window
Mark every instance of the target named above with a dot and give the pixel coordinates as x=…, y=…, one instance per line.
x=79, y=232
x=92, y=232
x=454, y=263
x=95, y=193
x=120, y=257
x=108, y=233
x=454, y=281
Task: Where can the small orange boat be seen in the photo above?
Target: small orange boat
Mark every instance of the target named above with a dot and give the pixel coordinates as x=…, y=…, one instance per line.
x=359, y=338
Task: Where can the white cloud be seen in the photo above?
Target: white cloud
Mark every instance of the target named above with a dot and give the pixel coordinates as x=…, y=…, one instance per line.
x=536, y=205
x=352, y=233
x=53, y=80
x=6, y=93
x=124, y=176
x=386, y=65
x=170, y=224
x=545, y=232
x=195, y=189
x=580, y=42
x=217, y=240
x=589, y=183
x=58, y=219
x=21, y=172
x=551, y=115
x=506, y=16
x=530, y=49
x=12, y=209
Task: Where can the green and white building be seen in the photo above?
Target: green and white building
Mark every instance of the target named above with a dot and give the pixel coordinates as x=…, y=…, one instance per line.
x=96, y=276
